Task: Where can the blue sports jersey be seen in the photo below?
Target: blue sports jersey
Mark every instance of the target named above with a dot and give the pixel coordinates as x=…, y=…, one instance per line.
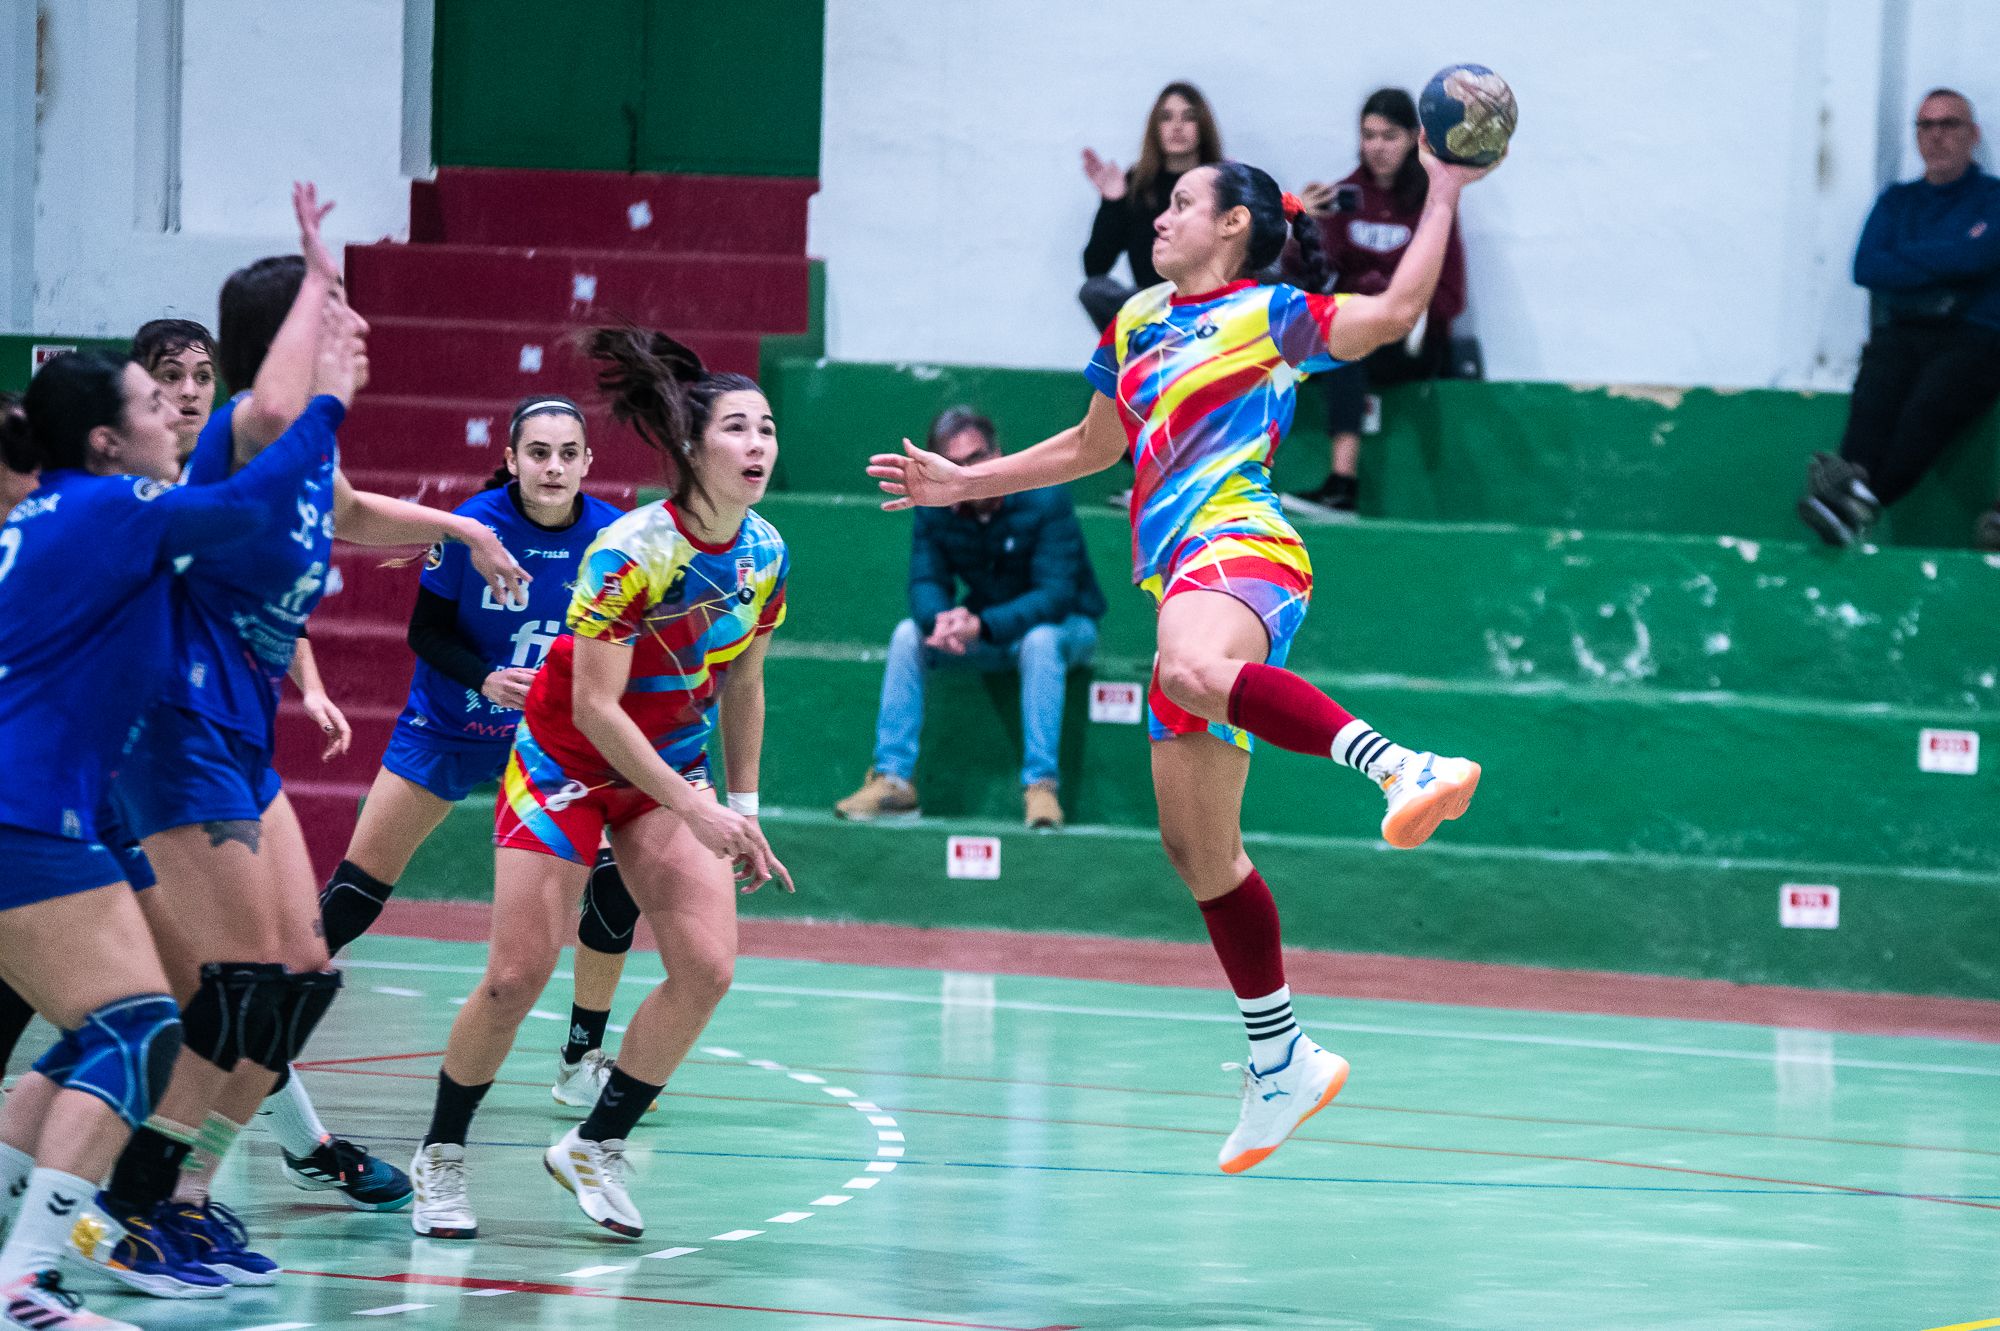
x=242, y=604
x=86, y=568
x=502, y=634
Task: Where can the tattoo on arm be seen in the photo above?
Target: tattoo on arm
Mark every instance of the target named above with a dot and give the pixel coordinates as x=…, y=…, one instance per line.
x=249, y=831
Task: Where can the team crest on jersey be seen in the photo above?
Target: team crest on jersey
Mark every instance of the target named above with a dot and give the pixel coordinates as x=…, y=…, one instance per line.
x=746, y=569
x=434, y=556
x=150, y=490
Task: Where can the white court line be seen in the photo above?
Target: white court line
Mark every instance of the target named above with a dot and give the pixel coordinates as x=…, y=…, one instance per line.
x=717, y=1051
x=540, y=1015
x=892, y=1151
x=882, y=1120
x=861, y=1183
x=586, y=1272
x=666, y=1254
x=809, y=1078
x=736, y=1235
x=866, y=1106
x=394, y=991
x=1230, y=1018
x=878, y=1167
x=838, y=1092
x=390, y=1310
x=277, y=1326
x=889, y=1136
x=832, y=1199
x=789, y=1218
x=767, y=1065
x=485, y=1293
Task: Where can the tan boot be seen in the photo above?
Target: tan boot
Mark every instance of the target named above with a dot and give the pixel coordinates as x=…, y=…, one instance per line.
x=880, y=796
x=1044, y=810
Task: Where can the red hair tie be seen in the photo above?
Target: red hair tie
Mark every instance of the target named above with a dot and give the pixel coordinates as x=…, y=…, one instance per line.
x=1292, y=206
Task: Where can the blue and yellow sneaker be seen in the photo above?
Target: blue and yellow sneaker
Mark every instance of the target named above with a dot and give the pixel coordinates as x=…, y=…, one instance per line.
x=140, y=1253
x=212, y=1234
x=367, y=1183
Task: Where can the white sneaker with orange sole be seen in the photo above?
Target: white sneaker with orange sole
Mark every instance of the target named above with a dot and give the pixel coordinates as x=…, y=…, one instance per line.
x=1425, y=791
x=1276, y=1102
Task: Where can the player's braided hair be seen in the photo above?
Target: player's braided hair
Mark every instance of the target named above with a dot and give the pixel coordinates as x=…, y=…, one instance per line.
x=660, y=389
x=1240, y=185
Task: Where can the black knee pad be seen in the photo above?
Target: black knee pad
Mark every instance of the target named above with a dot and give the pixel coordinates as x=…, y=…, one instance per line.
x=609, y=913
x=305, y=997
x=229, y=1015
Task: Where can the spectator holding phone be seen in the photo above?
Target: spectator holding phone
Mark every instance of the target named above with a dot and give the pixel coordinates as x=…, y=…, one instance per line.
x=1366, y=222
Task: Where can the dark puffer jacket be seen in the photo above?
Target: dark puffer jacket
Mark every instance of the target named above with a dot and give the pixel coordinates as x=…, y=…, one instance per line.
x=1021, y=565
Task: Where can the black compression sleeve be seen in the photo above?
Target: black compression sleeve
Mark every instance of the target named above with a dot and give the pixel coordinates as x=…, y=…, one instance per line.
x=434, y=638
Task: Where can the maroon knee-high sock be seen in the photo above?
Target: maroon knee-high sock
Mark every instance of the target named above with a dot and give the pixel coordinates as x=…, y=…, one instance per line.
x=1276, y=705
x=1243, y=925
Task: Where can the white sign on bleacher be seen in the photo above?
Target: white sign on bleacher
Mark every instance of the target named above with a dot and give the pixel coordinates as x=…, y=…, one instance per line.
x=972, y=857
x=1117, y=704
x=1808, y=906
x=1953, y=751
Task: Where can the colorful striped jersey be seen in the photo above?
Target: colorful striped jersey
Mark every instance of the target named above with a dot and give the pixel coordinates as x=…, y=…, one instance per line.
x=1205, y=387
x=686, y=608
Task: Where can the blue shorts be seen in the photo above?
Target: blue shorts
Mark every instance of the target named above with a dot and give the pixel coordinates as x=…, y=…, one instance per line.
x=124, y=847
x=41, y=866
x=183, y=770
x=446, y=769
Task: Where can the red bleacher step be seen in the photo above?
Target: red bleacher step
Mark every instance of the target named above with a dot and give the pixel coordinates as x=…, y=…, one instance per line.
x=326, y=811
x=494, y=358
x=465, y=435
x=617, y=210
x=725, y=292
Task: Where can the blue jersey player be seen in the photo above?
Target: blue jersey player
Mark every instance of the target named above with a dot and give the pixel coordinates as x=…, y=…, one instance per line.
x=476, y=657
x=86, y=565
x=236, y=886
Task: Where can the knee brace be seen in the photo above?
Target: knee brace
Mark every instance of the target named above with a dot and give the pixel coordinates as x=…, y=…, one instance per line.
x=231, y=1012
x=609, y=913
x=304, y=997
x=123, y=1054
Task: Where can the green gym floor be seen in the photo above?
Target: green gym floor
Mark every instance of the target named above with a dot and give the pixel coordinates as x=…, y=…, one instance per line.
x=867, y=1147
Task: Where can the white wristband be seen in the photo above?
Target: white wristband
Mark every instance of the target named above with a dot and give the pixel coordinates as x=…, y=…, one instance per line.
x=743, y=803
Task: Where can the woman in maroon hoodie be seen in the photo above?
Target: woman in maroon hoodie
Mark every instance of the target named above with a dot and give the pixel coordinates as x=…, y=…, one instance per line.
x=1365, y=224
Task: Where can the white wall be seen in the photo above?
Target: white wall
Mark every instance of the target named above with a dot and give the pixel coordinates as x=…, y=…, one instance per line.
x=269, y=93
x=1681, y=207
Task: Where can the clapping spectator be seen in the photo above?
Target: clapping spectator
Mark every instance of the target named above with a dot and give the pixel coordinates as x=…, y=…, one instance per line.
x=1930, y=255
x=1030, y=602
x=1366, y=221
x=1180, y=135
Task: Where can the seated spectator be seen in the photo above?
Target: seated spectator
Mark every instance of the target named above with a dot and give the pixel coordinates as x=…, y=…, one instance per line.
x=1180, y=135
x=1031, y=602
x=1365, y=225
x=180, y=355
x=1930, y=256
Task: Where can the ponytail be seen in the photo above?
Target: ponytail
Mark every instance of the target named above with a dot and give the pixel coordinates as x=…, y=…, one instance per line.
x=1313, y=272
x=661, y=390
x=1274, y=216
x=501, y=476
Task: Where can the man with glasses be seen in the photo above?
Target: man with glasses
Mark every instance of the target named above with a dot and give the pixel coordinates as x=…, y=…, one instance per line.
x=1030, y=603
x=1930, y=256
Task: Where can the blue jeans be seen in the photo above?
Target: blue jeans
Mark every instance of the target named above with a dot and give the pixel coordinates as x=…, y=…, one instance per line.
x=1044, y=655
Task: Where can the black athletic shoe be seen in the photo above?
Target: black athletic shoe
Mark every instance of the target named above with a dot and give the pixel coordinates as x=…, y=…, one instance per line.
x=367, y=1183
x=1838, y=505
x=1986, y=536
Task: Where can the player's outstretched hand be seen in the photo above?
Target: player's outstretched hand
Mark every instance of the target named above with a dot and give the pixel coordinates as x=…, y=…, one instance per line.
x=1451, y=174
x=331, y=722
x=311, y=212
x=918, y=479
x=503, y=573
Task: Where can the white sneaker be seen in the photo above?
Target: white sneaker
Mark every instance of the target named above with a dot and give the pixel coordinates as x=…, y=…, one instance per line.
x=580, y=1083
x=1276, y=1102
x=442, y=1209
x=594, y=1172
x=38, y=1302
x=1425, y=791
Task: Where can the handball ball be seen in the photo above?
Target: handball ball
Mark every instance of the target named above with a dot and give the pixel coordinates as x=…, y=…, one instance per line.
x=1468, y=114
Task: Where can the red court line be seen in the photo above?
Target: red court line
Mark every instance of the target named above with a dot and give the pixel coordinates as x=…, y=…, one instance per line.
x=584, y=1292
x=1324, y=1141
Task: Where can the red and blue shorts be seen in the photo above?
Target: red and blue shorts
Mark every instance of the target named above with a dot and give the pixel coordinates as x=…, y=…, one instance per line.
x=1266, y=571
x=545, y=809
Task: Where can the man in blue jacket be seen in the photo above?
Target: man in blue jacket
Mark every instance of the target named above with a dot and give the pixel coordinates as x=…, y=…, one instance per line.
x=1930, y=255
x=1030, y=602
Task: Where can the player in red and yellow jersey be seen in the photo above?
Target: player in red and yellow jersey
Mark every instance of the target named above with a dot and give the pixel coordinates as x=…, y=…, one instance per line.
x=1198, y=377
x=668, y=626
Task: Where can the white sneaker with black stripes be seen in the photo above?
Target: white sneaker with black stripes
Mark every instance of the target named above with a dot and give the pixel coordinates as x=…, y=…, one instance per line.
x=38, y=1302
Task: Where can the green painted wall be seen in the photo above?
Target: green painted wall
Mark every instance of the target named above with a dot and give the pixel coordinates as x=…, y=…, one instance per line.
x=729, y=87
x=17, y=354
x=1694, y=461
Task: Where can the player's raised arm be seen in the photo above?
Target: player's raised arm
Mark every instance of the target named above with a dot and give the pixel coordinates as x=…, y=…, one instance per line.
x=919, y=479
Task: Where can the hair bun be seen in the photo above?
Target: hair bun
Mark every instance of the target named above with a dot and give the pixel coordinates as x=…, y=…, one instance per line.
x=17, y=438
